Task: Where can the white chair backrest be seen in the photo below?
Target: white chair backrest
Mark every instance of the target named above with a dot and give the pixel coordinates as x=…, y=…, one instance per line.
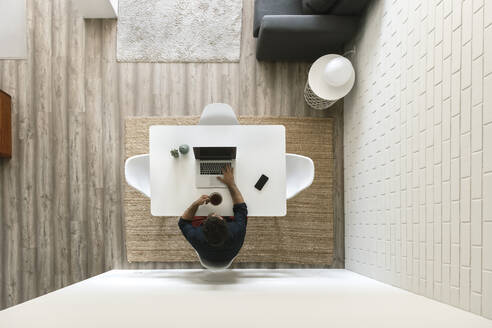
x=299, y=174
x=137, y=173
x=218, y=114
x=210, y=266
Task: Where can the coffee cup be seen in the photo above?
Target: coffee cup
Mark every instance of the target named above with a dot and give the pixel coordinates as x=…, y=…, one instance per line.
x=215, y=198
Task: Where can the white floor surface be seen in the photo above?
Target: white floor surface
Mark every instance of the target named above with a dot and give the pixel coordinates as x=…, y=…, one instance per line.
x=234, y=298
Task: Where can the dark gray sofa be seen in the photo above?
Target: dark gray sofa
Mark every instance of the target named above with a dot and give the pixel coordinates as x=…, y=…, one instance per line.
x=304, y=30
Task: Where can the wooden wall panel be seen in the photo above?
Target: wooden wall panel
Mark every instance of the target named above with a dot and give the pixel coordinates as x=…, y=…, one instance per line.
x=61, y=194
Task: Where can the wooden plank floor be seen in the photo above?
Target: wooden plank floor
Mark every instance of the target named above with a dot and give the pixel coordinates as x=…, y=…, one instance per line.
x=61, y=193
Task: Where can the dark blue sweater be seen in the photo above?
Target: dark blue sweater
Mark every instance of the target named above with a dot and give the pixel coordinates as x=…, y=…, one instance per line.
x=226, y=252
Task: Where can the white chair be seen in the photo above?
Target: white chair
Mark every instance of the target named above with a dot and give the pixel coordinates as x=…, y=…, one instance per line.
x=218, y=114
x=210, y=266
x=137, y=173
x=299, y=174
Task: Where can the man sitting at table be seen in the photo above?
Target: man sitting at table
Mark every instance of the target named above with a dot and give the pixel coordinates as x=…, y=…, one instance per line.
x=217, y=240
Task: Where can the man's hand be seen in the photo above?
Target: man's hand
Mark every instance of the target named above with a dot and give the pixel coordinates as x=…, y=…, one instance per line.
x=190, y=211
x=204, y=199
x=228, y=178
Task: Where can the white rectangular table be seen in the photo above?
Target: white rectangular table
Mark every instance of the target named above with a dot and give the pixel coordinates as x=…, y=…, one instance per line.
x=260, y=150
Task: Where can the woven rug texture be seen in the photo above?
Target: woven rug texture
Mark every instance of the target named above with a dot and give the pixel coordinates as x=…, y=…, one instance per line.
x=304, y=236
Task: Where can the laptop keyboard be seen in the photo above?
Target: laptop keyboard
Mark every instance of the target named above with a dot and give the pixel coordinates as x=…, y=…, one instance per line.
x=212, y=168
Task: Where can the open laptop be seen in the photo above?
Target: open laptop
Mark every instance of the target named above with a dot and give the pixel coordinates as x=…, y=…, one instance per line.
x=209, y=164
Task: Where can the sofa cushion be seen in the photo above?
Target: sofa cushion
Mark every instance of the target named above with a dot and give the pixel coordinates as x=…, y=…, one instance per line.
x=274, y=7
x=317, y=7
x=303, y=37
x=348, y=7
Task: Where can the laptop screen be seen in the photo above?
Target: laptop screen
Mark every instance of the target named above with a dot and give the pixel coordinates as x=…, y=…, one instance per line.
x=215, y=153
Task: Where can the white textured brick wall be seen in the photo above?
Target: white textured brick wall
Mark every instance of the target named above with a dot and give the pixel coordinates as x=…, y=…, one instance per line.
x=418, y=150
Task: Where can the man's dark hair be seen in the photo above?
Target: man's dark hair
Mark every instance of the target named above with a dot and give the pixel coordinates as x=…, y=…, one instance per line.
x=215, y=231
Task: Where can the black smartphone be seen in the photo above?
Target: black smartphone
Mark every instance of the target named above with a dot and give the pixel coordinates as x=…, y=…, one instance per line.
x=261, y=182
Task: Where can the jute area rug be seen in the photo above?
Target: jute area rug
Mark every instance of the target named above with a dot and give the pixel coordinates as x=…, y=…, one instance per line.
x=304, y=236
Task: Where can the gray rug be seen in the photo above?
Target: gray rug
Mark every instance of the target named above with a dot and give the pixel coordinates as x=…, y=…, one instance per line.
x=179, y=30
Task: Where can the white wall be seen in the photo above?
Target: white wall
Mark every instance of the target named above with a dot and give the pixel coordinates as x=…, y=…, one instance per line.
x=114, y=3
x=97, y=8
x=13, y=37
x=418, y=150
x=272, y=297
